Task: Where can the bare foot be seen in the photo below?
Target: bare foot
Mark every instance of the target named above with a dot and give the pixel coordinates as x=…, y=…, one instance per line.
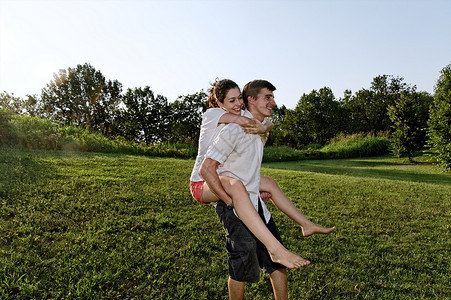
x=288, y=259
x=313, y=228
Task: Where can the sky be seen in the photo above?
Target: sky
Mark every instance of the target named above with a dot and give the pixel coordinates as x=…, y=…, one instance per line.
x=178, y=47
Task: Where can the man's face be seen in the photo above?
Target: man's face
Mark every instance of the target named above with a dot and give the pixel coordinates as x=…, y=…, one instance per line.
x=264, y=103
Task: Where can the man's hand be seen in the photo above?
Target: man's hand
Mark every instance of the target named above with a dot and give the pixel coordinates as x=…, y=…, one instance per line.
x=266, y=196
x=210, y=175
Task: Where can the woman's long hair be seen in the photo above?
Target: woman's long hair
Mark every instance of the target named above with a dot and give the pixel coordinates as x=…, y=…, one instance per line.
x=219, y=90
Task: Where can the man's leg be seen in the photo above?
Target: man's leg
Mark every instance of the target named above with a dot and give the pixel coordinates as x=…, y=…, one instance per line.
x=236, y=289
x=284, y=204
x=241, y=247
x=249, y=216
x=279, y=284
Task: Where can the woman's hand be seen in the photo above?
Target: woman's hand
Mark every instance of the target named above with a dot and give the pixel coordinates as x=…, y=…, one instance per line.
x=264, y=137
x=254, y=126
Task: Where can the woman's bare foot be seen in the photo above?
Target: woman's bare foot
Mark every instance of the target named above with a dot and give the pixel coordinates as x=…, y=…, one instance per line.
x=288, y=259
x=313, y=228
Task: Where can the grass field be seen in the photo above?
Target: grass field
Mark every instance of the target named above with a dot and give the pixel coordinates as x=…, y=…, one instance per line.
x=108, y=226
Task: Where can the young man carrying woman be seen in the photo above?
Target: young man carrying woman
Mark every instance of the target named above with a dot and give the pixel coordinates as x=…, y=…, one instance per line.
x=226, y=95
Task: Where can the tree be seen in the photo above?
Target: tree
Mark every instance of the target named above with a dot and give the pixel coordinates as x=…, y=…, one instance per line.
x=368, y=107
x=30, y=105
x=276, y=136
x=440, y=120
x=186, y=118
x=10, y=103
x=145, y=117
x=82, y=96
x=286, y=134
x=345, y=114
x=316, y=119
x=409, y=115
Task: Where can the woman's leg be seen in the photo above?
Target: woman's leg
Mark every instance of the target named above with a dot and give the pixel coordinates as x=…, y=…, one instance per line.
x=284, y=204
x=249, y=216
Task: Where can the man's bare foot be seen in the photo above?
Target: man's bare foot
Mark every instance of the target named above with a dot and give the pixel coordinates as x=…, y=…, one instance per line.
x=288, y=259
x=313, y=228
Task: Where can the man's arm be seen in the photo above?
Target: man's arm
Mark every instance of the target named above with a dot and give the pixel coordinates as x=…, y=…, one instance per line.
x=210, y=175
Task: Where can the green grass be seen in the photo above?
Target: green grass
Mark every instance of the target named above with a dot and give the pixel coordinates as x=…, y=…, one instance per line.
x=108, y=226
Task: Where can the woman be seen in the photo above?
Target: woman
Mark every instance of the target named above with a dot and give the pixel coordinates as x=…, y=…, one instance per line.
x=226, y=102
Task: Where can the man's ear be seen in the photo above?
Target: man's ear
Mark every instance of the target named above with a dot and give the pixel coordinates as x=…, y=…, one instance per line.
x=250, y=100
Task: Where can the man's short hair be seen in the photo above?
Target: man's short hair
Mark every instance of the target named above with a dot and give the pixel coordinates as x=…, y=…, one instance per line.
x=254, y=87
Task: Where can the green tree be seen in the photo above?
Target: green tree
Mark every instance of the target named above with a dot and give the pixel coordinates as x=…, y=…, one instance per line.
x=368, y=107
x=286, y=134
x=30, y=105
x=10, y=103
x=345, y=114
x=82, y=96
x=186, y=118
x=409, y=115
x=145, y=116
x=316, y=119
x=440, y=120
x=276, y=136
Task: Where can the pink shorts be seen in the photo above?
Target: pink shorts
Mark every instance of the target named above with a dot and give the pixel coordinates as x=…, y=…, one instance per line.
x=196, y=188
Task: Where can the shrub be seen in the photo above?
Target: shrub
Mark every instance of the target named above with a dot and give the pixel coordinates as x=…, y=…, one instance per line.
x=5, y=128
x=33, y=133
x=282, y=153
x=357, y=145
x=409, y=114
x=313, y=147
x=440, y=121
x=41, y=134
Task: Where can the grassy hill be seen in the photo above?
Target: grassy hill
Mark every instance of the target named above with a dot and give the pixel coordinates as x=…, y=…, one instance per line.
x=91, y=226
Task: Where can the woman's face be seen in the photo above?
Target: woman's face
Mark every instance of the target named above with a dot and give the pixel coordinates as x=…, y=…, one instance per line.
x=232, y=102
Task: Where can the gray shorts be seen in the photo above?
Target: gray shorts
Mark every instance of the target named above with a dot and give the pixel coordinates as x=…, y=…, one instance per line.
x=245, y=253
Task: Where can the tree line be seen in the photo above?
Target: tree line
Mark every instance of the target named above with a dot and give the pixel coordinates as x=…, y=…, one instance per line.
x=83, y=96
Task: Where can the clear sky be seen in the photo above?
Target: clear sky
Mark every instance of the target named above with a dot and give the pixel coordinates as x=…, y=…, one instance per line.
x=177, y=47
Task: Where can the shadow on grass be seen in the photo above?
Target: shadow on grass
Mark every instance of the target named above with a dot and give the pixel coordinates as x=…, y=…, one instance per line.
x=17, y=169
x=389, y=169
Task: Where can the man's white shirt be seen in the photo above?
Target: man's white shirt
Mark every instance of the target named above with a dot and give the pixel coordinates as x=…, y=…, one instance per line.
x=240, y=156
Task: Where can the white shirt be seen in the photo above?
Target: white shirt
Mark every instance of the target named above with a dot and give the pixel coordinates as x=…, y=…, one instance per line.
x=240, y=156
x=208, y=131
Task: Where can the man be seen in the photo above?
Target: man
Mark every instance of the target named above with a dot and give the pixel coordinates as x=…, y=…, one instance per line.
x=239, y=155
